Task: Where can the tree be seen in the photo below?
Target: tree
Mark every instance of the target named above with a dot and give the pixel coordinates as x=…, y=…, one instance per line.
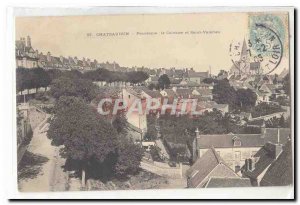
x=265, y=109
x=65, y=86
x=151, y=86
x=224, y=94
x=164, y=81
x=286, y=84
x=245, y=98
x=129, y=156
x=85, y=135
x=120, y=123
x=53, y=74
x=40, y=78
x=21, y=81
x=209, y=80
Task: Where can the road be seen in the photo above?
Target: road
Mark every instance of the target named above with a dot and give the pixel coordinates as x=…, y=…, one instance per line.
x=48, y=173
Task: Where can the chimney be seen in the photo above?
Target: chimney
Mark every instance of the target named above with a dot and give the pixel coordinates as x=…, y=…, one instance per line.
x=278, y=136
x=263, y=131
x=249, y=164
x=76, y=60
x=61, y=58
x=278, y=150
x=197, y=132
x=274, y=150
x=28, y=44
x=37, y=53
x=48, y=56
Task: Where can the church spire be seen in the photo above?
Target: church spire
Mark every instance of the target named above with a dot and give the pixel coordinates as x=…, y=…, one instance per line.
x=244, y=50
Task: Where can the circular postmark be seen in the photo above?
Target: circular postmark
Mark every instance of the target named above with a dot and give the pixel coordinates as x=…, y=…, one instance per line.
x=260, y=54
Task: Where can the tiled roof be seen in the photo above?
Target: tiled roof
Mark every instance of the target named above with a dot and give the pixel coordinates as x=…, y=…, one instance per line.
x=204, y=167
x=219, y=182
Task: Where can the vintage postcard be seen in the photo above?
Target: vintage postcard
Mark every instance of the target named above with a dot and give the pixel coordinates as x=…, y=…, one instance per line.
x=162, y=100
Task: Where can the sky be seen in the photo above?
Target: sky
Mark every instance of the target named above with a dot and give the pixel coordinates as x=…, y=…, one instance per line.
x=169, y=43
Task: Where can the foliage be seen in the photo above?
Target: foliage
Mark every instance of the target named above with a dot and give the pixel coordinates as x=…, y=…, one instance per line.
x=283, y=101
x=265, y=109
x=120, y=123
x=83, y=132
x=276, y=122
x=67, y=86
x=31, y=78
x=151, y=133
x=209, y=80
x=152, y=86
x=90, y=142
x=164, y=81
x=245, y=98
x=129, y=156
x=224, y=94
x=102, y=74
x=287, y=84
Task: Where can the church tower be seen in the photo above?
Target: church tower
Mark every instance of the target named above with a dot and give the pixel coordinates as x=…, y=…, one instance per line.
x=244, y=60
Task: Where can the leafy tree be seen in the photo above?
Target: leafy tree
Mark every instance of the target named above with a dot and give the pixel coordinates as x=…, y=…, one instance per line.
x=129, y=156
x=209, y=80
x=151, y=133
x=222, y=72
x=265, y=109
x=277, y=122
x=164, y=81
x=245, y=98
x=40, y=78
x=224, y=94
x=85, y=135
x=102, y=74
x=21, y=81
x=54, y=73
x=65, y=86
x=120, y=123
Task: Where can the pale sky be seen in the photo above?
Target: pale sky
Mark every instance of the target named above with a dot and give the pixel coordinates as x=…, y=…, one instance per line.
x=67, y=36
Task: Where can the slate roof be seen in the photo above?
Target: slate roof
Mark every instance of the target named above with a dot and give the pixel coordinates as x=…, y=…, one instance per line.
x=280, y=173
x=247, y=140
x=204, y=166
x=204, y=91
x=153, y=93
x=184, y=92
x=264, y=159
x=220, y=182
x=170, y=92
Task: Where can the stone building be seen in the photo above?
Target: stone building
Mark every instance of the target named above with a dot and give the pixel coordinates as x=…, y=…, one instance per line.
x=26, y=56
x=235, y=148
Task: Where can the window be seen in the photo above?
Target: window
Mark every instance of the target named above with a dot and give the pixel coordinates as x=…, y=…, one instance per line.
x=237, y=143
x=129, y=96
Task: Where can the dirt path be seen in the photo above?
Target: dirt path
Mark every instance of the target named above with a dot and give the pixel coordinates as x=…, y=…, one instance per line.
x=47, y=174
